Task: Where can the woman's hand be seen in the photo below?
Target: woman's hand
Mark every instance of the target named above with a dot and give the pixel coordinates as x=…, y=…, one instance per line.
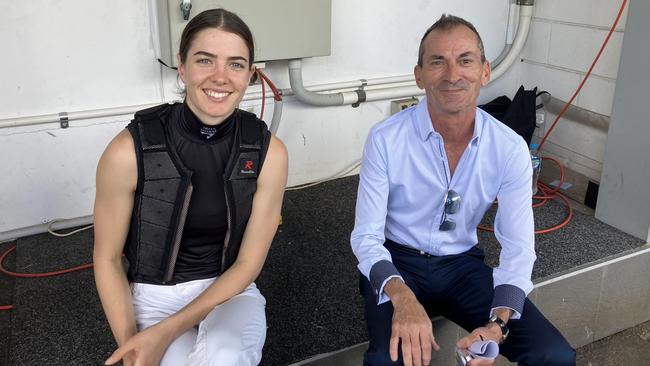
x=143, y=349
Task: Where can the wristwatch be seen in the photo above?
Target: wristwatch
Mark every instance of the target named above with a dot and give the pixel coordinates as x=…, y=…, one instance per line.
x=502, y=325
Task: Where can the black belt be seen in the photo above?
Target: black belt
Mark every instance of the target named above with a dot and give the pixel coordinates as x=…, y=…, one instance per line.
x=404, y=249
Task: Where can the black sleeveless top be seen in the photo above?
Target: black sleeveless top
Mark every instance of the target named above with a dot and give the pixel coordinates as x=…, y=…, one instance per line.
x=205, y=151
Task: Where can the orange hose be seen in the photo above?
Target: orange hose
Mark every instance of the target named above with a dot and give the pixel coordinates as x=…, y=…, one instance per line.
x=584, y=80
x=548, y=194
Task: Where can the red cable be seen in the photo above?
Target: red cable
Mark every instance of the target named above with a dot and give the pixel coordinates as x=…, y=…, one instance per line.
x=593, y=64
x=263, y=93
x=37, y=275
x=33, y=275
x=276, y=92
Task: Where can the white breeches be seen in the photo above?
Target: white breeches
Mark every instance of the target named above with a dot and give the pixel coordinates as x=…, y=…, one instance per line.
x=233, y=333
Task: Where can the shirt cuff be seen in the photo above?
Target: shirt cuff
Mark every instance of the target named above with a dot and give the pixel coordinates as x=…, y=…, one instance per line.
x=380, y=273
x=511, y=297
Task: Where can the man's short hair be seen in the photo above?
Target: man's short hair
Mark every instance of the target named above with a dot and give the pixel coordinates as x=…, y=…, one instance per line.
x=445, y=23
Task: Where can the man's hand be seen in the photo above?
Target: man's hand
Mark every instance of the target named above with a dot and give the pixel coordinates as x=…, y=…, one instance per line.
x=492, y=332
x=143, y=349
x=411, y=325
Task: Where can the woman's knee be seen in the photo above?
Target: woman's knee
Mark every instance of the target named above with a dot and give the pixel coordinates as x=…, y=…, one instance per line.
x=235, y=353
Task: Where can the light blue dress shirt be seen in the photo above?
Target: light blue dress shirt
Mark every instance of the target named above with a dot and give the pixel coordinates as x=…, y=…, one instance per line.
x=403, y=180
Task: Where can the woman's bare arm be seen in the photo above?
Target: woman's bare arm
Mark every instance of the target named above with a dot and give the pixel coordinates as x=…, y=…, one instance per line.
x=116, y=182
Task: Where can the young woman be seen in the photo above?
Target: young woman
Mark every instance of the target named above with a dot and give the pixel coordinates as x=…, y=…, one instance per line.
x=191, y=194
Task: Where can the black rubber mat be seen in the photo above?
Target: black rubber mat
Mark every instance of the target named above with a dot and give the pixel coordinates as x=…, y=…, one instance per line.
x=310, y=281
x=6, y=298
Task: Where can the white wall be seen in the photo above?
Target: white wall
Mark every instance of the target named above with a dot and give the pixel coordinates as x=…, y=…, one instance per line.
x=565, y=37
x=73, y=55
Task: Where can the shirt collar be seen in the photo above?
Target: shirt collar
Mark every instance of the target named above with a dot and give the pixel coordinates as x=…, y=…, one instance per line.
x=425, y=127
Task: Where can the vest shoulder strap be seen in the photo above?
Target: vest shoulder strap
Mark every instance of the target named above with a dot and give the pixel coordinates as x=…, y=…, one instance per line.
x=251, y=131
x=150, y=127
x=250, y=147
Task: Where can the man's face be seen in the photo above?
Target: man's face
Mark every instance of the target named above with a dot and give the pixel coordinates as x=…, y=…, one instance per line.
x=452, y=72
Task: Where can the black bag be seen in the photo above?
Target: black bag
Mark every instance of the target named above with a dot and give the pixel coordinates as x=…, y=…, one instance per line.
x=518, y=114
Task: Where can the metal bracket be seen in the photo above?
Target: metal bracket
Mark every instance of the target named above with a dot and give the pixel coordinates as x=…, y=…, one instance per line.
x=63, y=119
x=186, y=6
x=361, y=94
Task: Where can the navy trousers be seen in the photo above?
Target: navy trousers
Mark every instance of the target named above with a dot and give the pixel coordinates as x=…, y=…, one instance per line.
x=460, y=288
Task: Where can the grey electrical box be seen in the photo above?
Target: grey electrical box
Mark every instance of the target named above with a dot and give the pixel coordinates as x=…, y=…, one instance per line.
x=282, y=29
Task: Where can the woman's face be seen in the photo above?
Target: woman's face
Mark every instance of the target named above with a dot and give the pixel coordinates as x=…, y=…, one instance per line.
x=216, y=73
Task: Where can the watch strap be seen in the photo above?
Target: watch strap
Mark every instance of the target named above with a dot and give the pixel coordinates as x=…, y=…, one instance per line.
x=502, y=326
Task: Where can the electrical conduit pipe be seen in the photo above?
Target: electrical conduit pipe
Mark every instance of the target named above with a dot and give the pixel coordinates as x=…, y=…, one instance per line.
x=295, y=79
x=525, y=17
x=510, y=34
x=312, y=97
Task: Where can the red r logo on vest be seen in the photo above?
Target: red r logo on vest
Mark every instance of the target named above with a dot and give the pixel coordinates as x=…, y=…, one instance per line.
x=247, y=166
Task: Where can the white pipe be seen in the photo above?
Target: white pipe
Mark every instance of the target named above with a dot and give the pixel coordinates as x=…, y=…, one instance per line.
x=525, y=16
x=392, y=93
x=382, y=82
x=510, y=31
x=277, y=115
x=320, y=99
x=369, y=84
x=306, y=96
x=94, y=113
x=510, y=34
x=39, y=229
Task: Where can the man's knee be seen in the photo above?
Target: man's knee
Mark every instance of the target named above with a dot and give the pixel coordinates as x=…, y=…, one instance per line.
x=558, y=353
x=563, y=355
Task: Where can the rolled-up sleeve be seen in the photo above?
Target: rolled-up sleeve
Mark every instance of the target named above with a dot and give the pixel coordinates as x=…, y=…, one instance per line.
x=514, y=229
x=367, y=238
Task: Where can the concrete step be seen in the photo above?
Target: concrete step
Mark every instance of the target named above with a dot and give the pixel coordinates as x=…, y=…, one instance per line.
x=586, y=304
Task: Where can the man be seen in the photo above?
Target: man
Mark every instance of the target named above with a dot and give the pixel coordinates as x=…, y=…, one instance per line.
x=428, y=175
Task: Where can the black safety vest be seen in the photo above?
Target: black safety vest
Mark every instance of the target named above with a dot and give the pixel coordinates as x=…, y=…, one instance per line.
x=164, y=190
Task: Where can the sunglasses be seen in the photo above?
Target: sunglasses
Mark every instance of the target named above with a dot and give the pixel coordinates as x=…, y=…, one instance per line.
x=452, y=205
